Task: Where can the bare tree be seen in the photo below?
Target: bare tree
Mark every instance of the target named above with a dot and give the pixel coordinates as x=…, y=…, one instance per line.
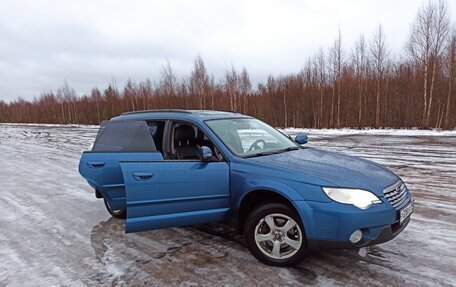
x=168, y=82
x=429, y=33
x=96, y=97
x=336, y=59
x=129, y=94
x=112, y=98
x=320, y=67
x=420, y=45
x=360, y=62
x=231, y=84
x=69, y=96
x=440, y=27
x=212, y=91
x=245, y=88
x=199, y=80
x=285, y=112
x=378, y=55
x=451, y=62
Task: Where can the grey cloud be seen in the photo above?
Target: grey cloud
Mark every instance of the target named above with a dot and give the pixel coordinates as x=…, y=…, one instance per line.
x=87, y=43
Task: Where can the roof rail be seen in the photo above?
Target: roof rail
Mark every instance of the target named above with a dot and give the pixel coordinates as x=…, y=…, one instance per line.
x=228, y=111
x=157, y=111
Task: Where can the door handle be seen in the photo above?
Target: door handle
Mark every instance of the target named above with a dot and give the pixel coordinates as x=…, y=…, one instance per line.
x=141, y=176
x=95, y=164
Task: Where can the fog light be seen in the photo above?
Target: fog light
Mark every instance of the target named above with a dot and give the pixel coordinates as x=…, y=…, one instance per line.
x=356, y=236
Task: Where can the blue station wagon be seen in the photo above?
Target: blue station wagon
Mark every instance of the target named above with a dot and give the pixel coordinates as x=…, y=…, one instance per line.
x=166, y=168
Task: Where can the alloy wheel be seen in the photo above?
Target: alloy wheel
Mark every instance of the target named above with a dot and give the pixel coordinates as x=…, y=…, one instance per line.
x=278, y=236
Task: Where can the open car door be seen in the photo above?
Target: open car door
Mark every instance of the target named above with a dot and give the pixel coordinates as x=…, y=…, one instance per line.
x=175, y=193
x=116, y=141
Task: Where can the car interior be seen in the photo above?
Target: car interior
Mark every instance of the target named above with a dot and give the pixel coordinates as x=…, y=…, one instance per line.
x=157, y=129
x=186, y=141
x=185, y=146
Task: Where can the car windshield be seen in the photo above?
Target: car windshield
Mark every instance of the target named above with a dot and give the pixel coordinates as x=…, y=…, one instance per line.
x=249, y=137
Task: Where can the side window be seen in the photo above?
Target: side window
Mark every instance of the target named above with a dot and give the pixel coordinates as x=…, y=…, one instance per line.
x=186, y=141
x=156, y=129
x=124, y=136
x=102, y=127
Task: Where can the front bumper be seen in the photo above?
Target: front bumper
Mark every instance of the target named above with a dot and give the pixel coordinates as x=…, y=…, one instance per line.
x=386, y=234
x=329, y=225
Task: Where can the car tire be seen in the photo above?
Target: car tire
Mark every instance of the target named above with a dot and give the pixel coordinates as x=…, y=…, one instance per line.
x=122, y=213
x=282, y=245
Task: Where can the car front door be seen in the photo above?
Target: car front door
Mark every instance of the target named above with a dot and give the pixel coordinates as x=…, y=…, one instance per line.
x=175, y=192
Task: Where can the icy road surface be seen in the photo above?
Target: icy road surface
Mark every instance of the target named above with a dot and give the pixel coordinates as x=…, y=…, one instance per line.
x=54, y=232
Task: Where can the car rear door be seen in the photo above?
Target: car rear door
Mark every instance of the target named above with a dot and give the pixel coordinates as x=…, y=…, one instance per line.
x=116, y=141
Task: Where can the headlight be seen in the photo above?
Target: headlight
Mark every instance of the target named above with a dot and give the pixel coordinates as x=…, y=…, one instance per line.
x=358, y=197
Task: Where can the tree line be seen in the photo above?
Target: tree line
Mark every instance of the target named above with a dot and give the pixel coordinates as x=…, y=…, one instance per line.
x=364, y=86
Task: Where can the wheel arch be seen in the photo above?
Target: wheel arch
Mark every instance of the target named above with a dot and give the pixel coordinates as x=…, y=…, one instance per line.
x=259, y=196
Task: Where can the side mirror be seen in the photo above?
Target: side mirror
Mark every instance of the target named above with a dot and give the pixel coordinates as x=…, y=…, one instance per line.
x=207, y=153
x=301, y=139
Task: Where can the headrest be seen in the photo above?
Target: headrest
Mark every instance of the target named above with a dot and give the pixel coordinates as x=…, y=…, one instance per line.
x=184, y=133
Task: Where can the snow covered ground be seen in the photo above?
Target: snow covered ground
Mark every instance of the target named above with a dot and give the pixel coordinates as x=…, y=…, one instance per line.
x=54, y=232
x=391, y=132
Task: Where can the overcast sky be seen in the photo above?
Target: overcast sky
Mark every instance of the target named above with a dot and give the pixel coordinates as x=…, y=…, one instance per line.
x=90, y=43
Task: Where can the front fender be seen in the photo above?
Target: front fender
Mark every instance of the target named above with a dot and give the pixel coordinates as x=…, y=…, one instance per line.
x=243, y=188
x=266, y=184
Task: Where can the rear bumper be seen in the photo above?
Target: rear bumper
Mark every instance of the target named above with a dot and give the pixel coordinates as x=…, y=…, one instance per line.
x=386, y=234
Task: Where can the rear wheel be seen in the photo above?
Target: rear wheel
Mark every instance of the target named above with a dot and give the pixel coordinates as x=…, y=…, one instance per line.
x=117, y=213
x=275, y=235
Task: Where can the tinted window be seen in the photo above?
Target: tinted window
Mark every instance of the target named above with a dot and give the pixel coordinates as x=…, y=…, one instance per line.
x=132, y=136
x=102, y=126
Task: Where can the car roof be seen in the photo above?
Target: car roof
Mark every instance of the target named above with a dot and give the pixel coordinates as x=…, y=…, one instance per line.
x=178, y=114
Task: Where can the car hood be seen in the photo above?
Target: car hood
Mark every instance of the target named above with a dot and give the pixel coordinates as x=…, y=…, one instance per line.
x=339, y=169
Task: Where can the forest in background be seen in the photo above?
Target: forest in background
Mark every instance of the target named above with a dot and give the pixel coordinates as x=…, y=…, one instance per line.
x=365, y=86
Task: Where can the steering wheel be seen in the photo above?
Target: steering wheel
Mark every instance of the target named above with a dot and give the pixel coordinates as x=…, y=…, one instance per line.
x=255, y=145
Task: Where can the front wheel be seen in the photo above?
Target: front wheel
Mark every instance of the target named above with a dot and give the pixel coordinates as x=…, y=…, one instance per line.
x=117, y=213
x=275, y=235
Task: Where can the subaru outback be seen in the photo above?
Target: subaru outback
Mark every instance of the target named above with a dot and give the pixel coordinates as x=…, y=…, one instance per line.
x=167, y=168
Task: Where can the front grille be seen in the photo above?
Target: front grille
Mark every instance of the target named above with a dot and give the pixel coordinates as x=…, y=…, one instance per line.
x=396, y=194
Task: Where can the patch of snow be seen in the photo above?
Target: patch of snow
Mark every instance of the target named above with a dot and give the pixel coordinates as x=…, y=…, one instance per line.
x=347, y=131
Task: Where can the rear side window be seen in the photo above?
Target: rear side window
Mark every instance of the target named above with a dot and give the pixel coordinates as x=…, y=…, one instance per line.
x=127, y=136
x=102, y=126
